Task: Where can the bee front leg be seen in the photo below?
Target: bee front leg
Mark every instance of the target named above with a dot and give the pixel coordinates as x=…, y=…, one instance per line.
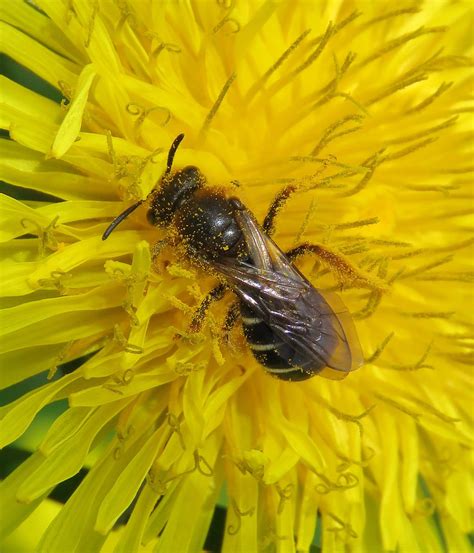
x=158, y=247
x=216, y=294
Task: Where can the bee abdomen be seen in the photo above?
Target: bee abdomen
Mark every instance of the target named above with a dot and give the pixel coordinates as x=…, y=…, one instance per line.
x=268, y=348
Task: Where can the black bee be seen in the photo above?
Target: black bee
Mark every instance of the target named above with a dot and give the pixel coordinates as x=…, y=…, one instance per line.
x=291, y=328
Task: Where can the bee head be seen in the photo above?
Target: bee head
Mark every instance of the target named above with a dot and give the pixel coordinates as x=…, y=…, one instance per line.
x=176, y=188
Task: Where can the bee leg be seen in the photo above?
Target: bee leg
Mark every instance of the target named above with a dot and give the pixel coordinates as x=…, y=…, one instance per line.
x=158, y=247
x=216, y=294
x=231, y=318
x=277, y=204
x=329, y=258
x=303, y=249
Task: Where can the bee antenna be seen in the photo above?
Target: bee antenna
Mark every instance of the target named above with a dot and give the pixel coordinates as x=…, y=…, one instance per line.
x=131, y=209
x=172, y=152
x=120, y=218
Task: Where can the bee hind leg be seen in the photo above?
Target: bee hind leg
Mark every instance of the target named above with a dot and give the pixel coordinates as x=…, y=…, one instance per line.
x=303, y=249
x=344, y=272
x=216, y=294
x=282, y=196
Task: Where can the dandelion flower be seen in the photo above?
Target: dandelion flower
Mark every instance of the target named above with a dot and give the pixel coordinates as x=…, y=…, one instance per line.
x=364, y=108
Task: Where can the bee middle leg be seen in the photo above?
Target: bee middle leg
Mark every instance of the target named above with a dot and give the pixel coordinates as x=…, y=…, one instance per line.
x=282, y=196
x=231, y=318
x=216, y=294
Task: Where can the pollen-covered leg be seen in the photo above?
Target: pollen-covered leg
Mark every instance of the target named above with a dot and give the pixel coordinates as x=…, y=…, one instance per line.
x=277, y=204
x=231, y=318
x=347, y=273
x=214, y=295
x=159, y=246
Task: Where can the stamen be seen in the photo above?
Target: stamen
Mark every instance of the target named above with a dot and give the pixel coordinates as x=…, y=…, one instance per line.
x=371, y=163
x=343, y=527
x=398, y=406
x=261, y=81
x=330, y=89
x=373, y=302
x=430, y=314
x=304, y=225
x=90, y=28
x=142, y=113
x=428, y=101
x=119, y=381
x=329, y=135
x=389, y=15
x=70, y=11
x=315, y=55
x=355, y=224
x=425, y=507
x=395, y=43
x=349, y=19
x=67, y=91
x=253, y=464
x=347, y=461
x=202, y=466
x=169, y=47
x=421, y=134
x=210, y=116
x=160, y=486
x=175, y=302
x=436, y=412
x=131, y=310
x=216, y=350
x=379, y=350
x=420, y=364
x=110, y=146
x=186, y=368
x=285, y=494
x=394, y=243
x=225, y=21
x=233, y=529
x=395, y=87
x=127, y=15
x=340, y=414
x=175, y=425
x=122, y=437
x=410, y=149
x=445, y=189
x=58, y=360
x=56, y=281
x=46, y=237
x=346, y=481
x=448, y=62
x=119, y=337
x=427, y=267
x=448, y=277
x=157, y=485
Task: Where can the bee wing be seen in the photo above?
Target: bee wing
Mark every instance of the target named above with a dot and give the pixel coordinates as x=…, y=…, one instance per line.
x=318, y=327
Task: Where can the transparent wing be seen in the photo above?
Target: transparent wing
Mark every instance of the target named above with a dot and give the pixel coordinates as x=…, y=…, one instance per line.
x=318, y=327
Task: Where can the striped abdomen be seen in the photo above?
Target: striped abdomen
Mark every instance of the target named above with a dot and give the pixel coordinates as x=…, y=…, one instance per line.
x=278, y=358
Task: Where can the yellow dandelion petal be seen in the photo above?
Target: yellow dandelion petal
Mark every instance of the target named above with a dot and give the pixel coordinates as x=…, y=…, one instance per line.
x=46, y=63
x=71, y=124
x=354, y=122
x=66, y=459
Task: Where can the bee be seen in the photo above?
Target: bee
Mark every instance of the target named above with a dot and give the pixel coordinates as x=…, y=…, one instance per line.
x=293, y=330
